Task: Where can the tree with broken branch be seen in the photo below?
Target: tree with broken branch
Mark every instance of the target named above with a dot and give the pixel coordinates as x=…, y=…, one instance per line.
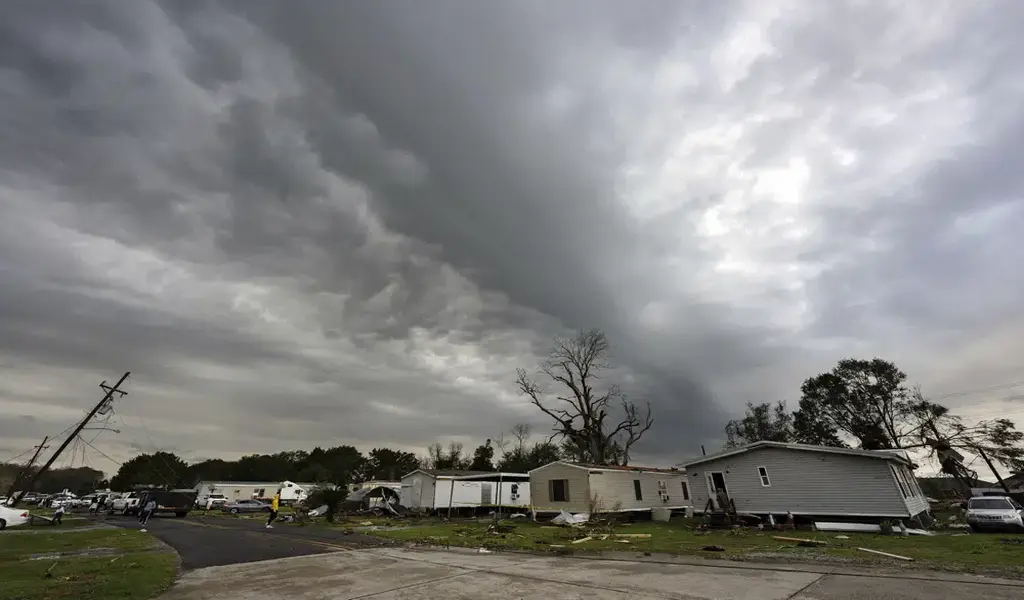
x=868, y=402
x=582, y=405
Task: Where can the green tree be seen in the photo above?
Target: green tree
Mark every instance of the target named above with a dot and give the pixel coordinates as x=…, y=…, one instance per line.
x=762, y=422
x=866, y=400
x=483, y=457
x=389, y=465
x=329, y=496
x=162, y=469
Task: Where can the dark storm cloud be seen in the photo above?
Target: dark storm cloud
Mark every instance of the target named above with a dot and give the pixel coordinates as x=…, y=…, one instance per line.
x=350, y=222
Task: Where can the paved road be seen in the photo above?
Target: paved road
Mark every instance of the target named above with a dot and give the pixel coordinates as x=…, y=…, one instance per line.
x=393, y=574
x=208, y=542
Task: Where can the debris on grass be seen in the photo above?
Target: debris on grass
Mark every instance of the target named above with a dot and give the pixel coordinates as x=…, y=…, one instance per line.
x=713, y=548
x=801, y=541
x=583, y=539
x=896, y=556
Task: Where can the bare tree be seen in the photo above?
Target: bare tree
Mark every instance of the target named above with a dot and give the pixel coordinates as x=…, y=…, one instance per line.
x=582, y=414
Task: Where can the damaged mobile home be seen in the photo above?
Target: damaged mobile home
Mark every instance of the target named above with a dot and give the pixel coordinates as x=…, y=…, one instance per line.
x=578, y=487
x=428, y=490
x=775, y=478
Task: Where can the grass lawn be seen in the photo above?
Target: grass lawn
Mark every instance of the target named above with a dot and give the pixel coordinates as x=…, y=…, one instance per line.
x=978, y=553
x=107, y=564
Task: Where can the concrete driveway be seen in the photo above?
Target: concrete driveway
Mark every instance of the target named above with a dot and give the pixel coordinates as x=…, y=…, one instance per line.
x=394, y=574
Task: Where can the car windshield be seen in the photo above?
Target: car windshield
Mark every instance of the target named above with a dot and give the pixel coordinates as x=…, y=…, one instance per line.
x=989, y=504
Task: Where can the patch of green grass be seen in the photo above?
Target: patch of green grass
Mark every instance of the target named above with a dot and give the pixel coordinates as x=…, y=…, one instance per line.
x=134, y=568
x=134, y=577
x=963, y=553
x=17, y=547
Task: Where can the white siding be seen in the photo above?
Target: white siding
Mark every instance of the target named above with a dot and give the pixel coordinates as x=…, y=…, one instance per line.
x=616, y=490
x=417, y=491
x=540, y=488
x=466, y=493
x=804, y=483
x=504, y=489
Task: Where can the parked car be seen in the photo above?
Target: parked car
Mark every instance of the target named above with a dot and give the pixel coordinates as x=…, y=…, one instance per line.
x=127, y=504
x=10, y=517
x=246, y=506
x=995, y=512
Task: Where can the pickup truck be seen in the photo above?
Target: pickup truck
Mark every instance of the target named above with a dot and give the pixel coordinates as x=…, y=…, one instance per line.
x=127, y=504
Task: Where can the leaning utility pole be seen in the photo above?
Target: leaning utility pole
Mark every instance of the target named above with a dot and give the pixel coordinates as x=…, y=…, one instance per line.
x=101, y=407
x=28, y=465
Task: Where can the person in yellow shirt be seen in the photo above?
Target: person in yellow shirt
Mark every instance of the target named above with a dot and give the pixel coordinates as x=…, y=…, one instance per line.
x=274, y=504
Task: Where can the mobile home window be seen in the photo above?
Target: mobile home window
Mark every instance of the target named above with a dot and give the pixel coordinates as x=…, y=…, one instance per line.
x=899, y=481
x=559, y=490
x=762, y=472
x=636, y=490
x=686, y=491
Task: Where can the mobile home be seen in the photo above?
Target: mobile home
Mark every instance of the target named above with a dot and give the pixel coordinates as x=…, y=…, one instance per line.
x=428, y=489
x=581, y=487
x=775, y=478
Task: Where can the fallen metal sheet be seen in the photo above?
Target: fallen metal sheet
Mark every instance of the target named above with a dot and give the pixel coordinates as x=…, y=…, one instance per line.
x=853, y=527
x=920, y=532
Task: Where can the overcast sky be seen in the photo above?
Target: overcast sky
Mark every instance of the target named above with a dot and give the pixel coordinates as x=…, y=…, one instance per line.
x=310, y=222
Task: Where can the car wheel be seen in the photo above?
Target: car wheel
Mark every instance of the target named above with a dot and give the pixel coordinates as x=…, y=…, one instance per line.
x=3, y=524
x=181, y=514
x=233, y=511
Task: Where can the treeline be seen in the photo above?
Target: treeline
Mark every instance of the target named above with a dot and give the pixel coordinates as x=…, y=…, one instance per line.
x=340, y=465
x=78, y=479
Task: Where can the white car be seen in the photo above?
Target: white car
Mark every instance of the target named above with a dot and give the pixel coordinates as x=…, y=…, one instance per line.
x=995, y=512
x=10, y=517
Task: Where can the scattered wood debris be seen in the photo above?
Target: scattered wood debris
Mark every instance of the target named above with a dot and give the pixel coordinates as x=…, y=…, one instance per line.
x=581, y=540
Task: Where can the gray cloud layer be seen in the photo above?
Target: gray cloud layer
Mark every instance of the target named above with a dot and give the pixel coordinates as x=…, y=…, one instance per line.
x=307, y=223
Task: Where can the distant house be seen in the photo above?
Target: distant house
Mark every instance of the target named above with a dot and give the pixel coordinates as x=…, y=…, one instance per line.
x=776, y=478
x=580, y=487
x=429, y=489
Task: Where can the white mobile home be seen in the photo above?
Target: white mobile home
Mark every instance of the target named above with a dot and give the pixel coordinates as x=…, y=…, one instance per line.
x=579, y=487
x=237, y=490
x=777, y=478
x=427, y=489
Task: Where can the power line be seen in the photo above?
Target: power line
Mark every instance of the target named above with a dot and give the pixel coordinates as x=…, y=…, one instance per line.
x=991, y=388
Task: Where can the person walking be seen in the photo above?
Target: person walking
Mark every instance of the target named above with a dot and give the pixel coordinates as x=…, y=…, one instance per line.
x=58, y=514
x=94, y=506
x=275, y=502
x=146, y=513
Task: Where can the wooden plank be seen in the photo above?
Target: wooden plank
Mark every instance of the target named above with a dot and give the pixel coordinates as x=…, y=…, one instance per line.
x=896, y=556
x=790, y=539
